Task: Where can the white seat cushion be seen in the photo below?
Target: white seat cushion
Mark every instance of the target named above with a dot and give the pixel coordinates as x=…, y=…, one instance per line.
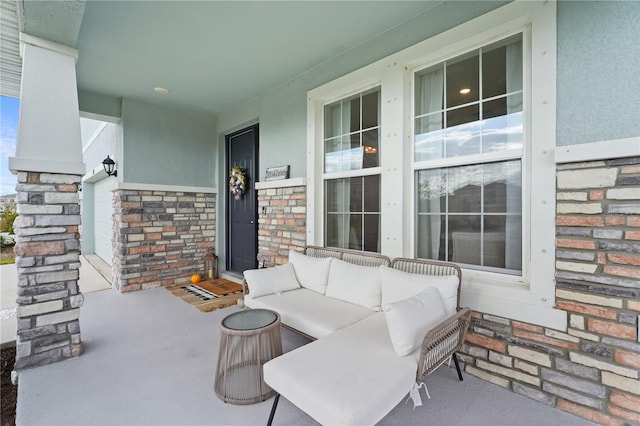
x=410, y=319
x=354, y=283
x=270, y=280
x=398, y=285
x=312, y=272
x=310, y=312
x=351, y=377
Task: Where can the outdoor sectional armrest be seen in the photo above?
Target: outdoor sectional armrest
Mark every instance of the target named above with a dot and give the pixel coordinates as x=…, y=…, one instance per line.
x=442, y=341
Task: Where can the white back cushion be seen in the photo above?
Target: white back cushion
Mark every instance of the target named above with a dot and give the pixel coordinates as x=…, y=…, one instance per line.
x=398, y=285
x=270, y=280
x=312, y=272
x=410, y=319
x=356, y=284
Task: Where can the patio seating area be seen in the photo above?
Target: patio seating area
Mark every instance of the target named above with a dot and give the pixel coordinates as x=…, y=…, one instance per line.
x=150, y=358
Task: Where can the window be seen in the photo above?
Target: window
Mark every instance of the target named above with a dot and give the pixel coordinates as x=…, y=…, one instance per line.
x=468, y=147
x=352, y=173
x=467, y=175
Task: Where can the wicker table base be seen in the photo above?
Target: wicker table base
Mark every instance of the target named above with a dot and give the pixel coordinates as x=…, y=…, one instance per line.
x=248, y=339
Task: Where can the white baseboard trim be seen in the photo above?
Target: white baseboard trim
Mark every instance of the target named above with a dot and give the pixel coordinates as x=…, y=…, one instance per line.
x=603, y=150
x=132, y=186
x=284, y=183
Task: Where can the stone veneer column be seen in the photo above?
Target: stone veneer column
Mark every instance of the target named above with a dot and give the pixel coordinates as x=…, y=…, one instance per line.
x=281, y=223
x=593, y=369
x=47, y=250
x=160, y=237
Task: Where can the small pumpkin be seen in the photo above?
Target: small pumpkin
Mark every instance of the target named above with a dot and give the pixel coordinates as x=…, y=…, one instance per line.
x=196, y=278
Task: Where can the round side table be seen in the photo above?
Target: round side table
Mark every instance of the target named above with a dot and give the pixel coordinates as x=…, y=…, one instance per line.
x=248, y=339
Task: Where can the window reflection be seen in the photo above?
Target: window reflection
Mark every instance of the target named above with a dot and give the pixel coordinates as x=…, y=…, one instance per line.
x=352, y=133
x=482, y=119
x=472, y=215
x=353, y=213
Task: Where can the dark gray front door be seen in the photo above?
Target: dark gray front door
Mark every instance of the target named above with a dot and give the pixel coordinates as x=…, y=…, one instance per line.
x=242, y=214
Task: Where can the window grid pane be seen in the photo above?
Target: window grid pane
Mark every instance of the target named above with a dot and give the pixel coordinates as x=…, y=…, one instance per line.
x=352, y=213
x=352, y=133
x=471, y=215
x=352, y=142
x=463, y=130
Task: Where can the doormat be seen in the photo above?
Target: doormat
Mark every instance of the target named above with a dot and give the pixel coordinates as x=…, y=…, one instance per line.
x=209, y=295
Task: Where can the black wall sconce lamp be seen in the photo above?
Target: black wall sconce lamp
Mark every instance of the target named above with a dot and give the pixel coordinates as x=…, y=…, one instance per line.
x=109, y=166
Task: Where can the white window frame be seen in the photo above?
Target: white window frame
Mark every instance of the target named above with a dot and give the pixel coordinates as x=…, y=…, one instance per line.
x=490, y=157
x=529, y=298
x=346, y=174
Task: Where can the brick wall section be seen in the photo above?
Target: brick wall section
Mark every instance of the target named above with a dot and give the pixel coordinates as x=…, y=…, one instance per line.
x=160, y=237
x=282, y=223
x=47, y=260
x=592, y=370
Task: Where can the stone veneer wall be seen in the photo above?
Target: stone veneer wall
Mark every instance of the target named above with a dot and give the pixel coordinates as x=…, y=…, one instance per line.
x=47, y=260
x=160, y=237
x=593, y=369
x=282, y=223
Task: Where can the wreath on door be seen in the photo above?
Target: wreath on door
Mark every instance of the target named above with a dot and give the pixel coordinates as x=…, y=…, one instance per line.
x=237, y=182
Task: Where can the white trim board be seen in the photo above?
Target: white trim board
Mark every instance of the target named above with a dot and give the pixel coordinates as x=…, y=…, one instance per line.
x=284, y=183
x=603, y=150
x=100, y=117
x=94, y=175
x=20, y=164
x=46, y=44
x=94, y=136
x=132, y=186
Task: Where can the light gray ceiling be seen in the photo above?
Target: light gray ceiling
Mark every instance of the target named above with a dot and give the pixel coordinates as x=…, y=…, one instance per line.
x=211, y=55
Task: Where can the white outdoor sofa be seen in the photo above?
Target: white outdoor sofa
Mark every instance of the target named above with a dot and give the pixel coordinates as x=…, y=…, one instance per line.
x=379, y=327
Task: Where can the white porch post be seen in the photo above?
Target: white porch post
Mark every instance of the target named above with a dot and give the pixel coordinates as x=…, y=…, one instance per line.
x=49, y=166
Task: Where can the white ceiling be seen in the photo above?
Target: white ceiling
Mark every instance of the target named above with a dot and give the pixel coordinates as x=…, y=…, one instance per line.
x=213, y=55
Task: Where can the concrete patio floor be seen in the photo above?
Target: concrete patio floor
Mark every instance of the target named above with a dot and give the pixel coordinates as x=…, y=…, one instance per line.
x=95, y=275
x=149, y=359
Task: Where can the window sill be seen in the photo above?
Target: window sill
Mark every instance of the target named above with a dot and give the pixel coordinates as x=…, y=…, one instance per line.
x=282, y=183
x=509, y=297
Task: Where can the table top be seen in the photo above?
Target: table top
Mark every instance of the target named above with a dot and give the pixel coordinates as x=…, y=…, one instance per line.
x=250, y=319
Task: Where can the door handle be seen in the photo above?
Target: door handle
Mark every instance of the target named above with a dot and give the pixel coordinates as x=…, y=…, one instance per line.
x=251, y=222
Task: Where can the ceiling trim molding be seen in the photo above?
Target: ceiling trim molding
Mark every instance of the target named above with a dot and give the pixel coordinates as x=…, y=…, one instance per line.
x=46, y=44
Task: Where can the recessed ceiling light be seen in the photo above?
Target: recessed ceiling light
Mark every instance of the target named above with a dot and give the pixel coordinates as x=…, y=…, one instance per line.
x=465, y=91
x=161, y=90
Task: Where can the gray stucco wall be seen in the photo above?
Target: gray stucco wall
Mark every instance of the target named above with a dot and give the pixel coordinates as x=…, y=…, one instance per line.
x=598, y=81
x=167, y=146
x=282, y=111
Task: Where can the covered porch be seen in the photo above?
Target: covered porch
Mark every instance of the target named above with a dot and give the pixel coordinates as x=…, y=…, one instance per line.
x=176, y=83
x=146, y=367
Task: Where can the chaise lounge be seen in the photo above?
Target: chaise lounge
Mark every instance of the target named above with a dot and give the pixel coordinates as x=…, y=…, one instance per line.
x=379, y=327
